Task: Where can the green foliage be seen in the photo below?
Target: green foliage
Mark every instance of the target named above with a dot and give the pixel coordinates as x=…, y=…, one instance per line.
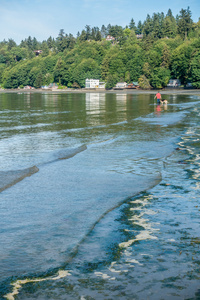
x=160, y=78
x=184, y=22
x=88, y=68
x=111, y=81
x=144, y=83
x=194, y=73
x=180, y=61
x=169, y=48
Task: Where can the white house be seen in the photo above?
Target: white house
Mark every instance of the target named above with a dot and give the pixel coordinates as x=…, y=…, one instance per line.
x=91, y=83
x=120, y=86
x=102, y=85
x=174, y=83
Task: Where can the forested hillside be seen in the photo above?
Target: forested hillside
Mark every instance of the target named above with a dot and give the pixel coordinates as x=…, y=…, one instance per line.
x=152, y=52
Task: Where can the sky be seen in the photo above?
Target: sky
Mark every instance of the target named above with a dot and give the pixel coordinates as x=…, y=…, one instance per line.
x=41, y=19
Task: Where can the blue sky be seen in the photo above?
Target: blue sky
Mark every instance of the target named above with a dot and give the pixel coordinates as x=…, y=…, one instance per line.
x=43, y=18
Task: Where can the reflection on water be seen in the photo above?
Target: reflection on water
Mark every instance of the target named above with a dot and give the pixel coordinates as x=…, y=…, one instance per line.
x=113, y=200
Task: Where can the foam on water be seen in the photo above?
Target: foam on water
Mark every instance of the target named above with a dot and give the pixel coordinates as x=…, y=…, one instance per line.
x=17, y=285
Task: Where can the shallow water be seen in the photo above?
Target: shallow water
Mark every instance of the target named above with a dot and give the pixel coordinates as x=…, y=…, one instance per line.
x=99, y=196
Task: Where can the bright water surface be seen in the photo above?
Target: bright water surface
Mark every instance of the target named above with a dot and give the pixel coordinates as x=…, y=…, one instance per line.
x=99, y=196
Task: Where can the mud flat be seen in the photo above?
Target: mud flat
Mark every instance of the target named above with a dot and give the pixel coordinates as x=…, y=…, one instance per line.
x=124, y=91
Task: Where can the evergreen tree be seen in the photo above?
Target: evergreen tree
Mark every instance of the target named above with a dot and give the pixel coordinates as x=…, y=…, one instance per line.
x=35, y=44
x=139, y=28
x=132, y=25
x=11, y=44
x=148, y=26
x=103, y=31
x=169, y=27
x=50, y=43
x=184, y=22
x=71, y=41
x=165, y=57
x=169, y=13
x=61, y=41
x=88, y=32
x=98, y=36
x=83, y=36
x=45, y=49
x=29, y=43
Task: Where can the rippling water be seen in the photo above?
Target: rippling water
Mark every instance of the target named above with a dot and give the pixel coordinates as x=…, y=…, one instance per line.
x=99, y=196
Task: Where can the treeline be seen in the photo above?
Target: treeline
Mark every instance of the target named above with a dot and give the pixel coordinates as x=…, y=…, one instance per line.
x=160, y=48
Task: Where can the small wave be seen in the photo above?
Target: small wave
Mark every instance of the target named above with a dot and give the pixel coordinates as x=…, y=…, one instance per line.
x=66, y=154
x=165, y=119
x=9, y=178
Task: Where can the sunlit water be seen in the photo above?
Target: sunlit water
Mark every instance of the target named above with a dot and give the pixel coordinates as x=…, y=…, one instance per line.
x=99, y=196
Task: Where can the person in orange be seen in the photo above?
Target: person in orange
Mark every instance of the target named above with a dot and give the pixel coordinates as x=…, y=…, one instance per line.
x=158, y=97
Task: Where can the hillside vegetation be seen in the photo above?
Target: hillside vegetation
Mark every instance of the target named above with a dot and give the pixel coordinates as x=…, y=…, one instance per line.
x=160, y=48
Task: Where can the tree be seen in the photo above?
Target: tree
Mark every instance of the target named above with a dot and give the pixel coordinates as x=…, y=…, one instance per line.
x=45, y=49
x=29, y=43
x=139, y=28
x=116, y=31
x=160, y=77
x=39, y=80
x=11, y=44
x=111, y=81
x=61, y=73
x=165, y=57
x=194, y=73
x=144, y=83
x=132, y=25
x=103, y=31
x=61, y=41
x=148, y=26
x=169, y=27
x=180, y=62
x=184, y=22
x=35, y=44
x=83, y=36
x=88, y=32
x=50, y=43
x=88, y=68
x=98, y=36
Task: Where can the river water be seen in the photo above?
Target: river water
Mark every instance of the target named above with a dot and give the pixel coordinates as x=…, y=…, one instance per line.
x=99, y=196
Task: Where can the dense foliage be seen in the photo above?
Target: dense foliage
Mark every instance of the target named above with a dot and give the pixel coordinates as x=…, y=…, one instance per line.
x=160, y=48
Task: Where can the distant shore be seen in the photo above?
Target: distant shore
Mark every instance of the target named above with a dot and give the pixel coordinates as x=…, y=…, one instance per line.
x=124, y=91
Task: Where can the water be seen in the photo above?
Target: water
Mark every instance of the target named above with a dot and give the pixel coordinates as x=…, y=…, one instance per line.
x=99, y=196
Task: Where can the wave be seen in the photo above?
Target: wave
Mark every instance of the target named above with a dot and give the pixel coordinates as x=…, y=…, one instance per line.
x=163, y=119
x=138, y=184
x=9, y=178
x=68, y=153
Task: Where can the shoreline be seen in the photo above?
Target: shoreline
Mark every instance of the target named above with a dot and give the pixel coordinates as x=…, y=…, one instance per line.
x=125, y=91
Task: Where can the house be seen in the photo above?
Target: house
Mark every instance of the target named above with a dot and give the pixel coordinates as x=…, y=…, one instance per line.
x=110, y=38
x=37, y=52
x=120, y=86
x=139, y=36
x=53, y=86
x=91, y=83
x=133, y=85
x=174, y=83
x=102, y=85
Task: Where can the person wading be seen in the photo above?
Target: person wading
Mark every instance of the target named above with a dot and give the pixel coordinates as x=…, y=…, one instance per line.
x=158, y=97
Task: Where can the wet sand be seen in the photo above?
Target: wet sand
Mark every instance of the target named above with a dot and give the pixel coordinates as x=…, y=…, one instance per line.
x=124, y=91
